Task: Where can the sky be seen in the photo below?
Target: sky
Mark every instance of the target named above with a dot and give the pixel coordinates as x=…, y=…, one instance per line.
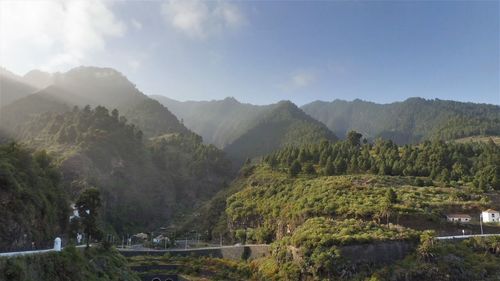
x=261, y=52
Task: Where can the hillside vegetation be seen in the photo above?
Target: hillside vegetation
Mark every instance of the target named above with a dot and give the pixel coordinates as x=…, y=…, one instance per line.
x=311, y=201
x=94, y=264
x=447, y=162
x=248, y=131
x=143, y=182
x=93, y=86
x=284, y=125
x=12, y=89
x=410, y=121
x=219, y=122
x=146, y=164
x=33, y=205
x=474, y=259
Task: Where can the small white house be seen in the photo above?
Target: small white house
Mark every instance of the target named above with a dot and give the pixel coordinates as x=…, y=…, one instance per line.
x=490, y=216
x=458, y=217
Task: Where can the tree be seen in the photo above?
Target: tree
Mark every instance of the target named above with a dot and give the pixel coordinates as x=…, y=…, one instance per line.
x=425, y=250
x=115, y=114
x=88, y=205
x=329, y=168
x=391, y=196
x=309, y=169
x=354, y=138
x=295, y=168
x=241, y=235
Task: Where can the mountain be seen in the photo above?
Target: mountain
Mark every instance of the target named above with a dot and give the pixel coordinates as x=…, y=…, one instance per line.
x=12, y=87
x=39, y=79
x=321, y=212
x=219, y=122
x=147, y=165
x=92, y=86
x=144, y=183
x=410, y=121
x=281, y=125
x=33, y=204
x=245, y=130
x=98, y=86
x=26, y=108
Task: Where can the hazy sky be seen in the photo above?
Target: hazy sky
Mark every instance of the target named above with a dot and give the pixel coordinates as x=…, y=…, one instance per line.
x=265, y=51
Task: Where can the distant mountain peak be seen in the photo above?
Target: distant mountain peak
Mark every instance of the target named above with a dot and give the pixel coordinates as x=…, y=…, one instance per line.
x=93, y=72
x=38, y=78
x=231, y=100
x=4, y=72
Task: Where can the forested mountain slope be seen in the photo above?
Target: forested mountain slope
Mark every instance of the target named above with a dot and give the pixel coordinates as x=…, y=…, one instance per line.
x=33, y=205
x=410, y=121
x=219, y=122
x=13, y=88
x=94, y=86
x=312, y=201
x=248, y=131
x=143, y=183
x=283, y=124
x=147, y=165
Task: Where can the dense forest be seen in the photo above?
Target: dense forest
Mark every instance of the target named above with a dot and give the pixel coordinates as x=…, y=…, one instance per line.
x=410, y=121
x=143, y=182
x=92, y=86
x=447, y=162
x=284, y=125
x=33, y=205
x=245, y=130
x=219, y=122
x=312, y=201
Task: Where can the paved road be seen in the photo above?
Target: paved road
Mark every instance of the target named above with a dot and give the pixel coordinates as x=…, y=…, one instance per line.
x=139, y=248
x=34, y=252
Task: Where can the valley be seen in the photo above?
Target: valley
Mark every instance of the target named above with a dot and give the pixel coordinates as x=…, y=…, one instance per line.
x=316, y=185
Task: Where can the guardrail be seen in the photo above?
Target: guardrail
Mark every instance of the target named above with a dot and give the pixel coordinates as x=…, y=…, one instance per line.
x=465, y=236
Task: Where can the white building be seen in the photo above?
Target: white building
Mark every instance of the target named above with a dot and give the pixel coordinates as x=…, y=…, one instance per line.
x=490, y=216
x=458, y=218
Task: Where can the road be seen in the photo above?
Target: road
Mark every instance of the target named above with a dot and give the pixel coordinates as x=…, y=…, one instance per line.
x=139, y=248
x=34, y=252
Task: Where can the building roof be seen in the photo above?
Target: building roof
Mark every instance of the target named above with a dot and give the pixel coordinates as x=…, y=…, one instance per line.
x=462, y=216
x=141, y=235
x=490, y=211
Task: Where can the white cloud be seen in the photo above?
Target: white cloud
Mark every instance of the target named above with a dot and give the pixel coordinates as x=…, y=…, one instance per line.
x=299, y=79
x=54, y=34
x=201, y=19
x=302, y=79
x=136, y=24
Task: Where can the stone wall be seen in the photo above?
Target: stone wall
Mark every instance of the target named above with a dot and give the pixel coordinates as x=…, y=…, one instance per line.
x=380, y=252
x=234, y=252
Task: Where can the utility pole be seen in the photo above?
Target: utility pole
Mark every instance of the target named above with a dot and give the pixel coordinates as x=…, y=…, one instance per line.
x=481, y=222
